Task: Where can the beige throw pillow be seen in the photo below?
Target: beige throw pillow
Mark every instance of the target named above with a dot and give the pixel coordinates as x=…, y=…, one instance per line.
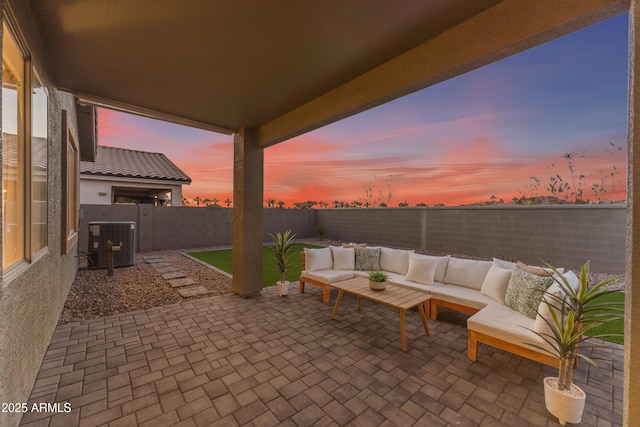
x=538, y=271
x=343, y=258
x=496, y=282
x=394, y=260
x=318, y=259
x=422, y=269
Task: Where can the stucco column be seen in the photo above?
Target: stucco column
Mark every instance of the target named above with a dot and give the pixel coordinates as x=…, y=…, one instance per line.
x=632, y=301
x=248, y=190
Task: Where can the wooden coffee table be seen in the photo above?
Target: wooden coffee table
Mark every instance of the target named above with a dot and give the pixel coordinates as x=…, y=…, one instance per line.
x=394, y=296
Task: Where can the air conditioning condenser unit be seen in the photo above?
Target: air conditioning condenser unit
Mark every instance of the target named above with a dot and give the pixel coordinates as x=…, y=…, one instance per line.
x=117, y=232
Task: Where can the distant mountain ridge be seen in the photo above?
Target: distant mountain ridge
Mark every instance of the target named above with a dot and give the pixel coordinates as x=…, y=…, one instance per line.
x=542, y=200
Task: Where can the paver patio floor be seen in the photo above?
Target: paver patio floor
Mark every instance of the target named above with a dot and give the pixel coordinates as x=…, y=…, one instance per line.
x=267, y=361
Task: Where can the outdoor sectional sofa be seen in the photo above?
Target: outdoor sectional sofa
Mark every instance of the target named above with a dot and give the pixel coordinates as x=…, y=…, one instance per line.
x=503, y=298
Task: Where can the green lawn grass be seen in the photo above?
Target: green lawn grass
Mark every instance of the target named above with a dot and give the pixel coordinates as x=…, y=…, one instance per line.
x=270, y=275
x=615, y=327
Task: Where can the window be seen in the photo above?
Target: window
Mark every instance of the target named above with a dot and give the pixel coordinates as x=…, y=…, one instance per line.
x=38, y=165
x=24, y=154
x=70, y=161
x=13, y=151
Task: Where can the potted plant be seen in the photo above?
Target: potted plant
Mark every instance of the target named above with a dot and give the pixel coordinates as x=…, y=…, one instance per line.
x=282, y=253
x=573, y=313
x=377, y=280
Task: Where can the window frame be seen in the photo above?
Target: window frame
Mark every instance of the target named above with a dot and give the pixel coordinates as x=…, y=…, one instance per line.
x=33, y=251
x=23, y=166
x=70, y=195
x=25, y=134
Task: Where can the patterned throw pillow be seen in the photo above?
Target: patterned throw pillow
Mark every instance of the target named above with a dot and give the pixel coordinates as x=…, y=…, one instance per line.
x=525, y=291
x=367, y=259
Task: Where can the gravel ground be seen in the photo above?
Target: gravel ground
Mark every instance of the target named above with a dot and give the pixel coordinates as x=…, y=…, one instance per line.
x=93, y=294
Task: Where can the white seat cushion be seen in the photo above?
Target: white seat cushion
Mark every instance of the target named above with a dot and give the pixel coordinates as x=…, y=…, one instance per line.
x=504, y=323
x=461, y=295
x=328, y=276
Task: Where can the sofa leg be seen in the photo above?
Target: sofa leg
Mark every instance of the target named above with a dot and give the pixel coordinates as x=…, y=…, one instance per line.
x=325, y=294
x=301, y=287
x=472, y=347
x=433, y=310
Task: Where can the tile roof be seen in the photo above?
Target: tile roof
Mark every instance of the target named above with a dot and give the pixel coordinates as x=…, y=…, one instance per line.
x=10, y=151
x=122, y=162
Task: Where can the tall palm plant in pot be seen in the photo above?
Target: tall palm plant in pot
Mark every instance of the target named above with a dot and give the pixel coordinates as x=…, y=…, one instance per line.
x=282, y=253
x=570, y=312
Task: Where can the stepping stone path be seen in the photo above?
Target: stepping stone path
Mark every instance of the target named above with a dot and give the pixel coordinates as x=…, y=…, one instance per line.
x=177, y=279
x=185, y=281
x=194, y=291
x=165, y=269
x=174, y=275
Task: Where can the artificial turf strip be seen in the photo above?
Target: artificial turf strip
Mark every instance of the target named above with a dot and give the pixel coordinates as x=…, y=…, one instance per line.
x=614, y=327
x=270, y=275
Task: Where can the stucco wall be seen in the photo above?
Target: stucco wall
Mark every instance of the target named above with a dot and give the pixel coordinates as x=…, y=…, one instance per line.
x=96, y=190
x=32, y=295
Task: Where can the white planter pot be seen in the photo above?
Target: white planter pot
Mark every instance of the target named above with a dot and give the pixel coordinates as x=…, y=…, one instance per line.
x=377, y=286
x=566, y=407
x=283, y=288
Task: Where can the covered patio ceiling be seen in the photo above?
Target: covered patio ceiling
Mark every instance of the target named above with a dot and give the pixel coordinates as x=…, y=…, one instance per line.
x=283, y=67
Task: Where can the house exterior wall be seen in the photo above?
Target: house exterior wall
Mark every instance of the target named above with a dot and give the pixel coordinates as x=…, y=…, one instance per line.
x=32, y=296
x=97, y=190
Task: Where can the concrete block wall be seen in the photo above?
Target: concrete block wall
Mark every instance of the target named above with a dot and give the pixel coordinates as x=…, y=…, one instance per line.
x=561, y=235
x=564, y=235
x=164, y=228
x=383, y=226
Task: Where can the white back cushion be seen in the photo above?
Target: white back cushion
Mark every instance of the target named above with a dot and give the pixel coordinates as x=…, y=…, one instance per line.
x=343, y=258
x=467, y=272
x=504, y=264
x=318, y=259
x=395, y=260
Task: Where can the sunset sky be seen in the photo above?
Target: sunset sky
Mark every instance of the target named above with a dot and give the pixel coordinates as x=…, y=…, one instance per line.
x=482, y=134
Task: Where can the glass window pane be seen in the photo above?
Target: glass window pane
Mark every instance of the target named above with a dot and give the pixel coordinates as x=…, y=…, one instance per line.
x=39, y=165
x=13, y=161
